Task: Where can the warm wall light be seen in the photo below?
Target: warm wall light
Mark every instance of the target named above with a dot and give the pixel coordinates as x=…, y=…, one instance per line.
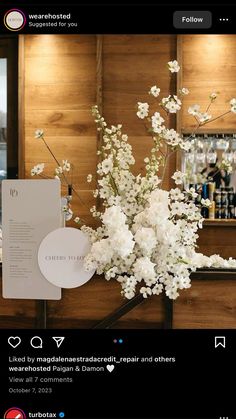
x=210, y=47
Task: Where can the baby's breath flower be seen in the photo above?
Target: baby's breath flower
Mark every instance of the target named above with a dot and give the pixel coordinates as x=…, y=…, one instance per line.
x=38, y=133
x=39, y=168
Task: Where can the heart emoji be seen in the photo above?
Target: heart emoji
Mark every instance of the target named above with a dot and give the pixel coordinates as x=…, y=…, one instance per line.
x=14, y=341
x=110, y=368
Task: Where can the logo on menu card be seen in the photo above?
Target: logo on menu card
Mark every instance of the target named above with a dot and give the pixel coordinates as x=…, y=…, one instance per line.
x=13, y=193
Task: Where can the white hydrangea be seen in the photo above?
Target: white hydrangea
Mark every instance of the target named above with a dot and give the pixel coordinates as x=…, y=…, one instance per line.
x=145, y=237
x=122, y=242
x=114, y=218
x=144, y=269
x=102, y=252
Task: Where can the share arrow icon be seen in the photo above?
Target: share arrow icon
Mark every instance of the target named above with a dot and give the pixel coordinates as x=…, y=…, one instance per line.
x=58, y=340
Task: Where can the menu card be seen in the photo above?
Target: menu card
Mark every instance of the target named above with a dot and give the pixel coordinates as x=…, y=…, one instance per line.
x=30, y=210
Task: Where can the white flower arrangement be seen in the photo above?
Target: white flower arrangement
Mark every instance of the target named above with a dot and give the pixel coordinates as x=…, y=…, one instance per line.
x=147, y=238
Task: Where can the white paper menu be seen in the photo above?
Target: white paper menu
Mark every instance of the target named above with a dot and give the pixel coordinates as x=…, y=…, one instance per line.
x=30, y=210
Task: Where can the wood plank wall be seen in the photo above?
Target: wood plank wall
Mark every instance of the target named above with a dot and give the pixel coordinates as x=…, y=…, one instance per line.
x=209, y=65
x=132, y=64
x=60, y=88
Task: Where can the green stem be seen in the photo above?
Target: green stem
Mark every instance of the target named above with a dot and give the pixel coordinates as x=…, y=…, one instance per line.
x=54, y=157
x=165, y=165
x=78, y=196
x=208, y=107
x=217, y=117
x=114, y=184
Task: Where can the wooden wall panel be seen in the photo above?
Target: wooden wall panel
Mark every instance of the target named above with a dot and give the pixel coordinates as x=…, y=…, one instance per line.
x=206, y=305
x=218, y=240
x=16, y=313
x=209, y=64
x=132, y=64
x=59, y=90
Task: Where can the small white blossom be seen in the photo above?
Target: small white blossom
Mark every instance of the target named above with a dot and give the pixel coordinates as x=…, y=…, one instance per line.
x=226, y=165
x=39, y=168
x=66, y=165
x=213, y=95
x=171, y=103
x=107, y=165
x=233, y=105
x=176, y=194
x=58, y=170
x=206, y=202
x=145, y=291
x=184, y=91
x=203, y=117
x=39, y=133
x=77, y=220
x=173, y=66
x=154, y=91
x=233, y=109
x=194, y=110
x=178, y=177
x=192, y=192
x=172, y=293
x=89, y=178
x=143, y=109
x=111, y=273
x=157, y=289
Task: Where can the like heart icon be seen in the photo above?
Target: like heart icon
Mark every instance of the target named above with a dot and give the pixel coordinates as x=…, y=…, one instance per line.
x=14, y=341
x=110, y=368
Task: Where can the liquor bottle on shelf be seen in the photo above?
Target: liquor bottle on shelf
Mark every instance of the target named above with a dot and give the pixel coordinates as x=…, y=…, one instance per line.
x=211, y=211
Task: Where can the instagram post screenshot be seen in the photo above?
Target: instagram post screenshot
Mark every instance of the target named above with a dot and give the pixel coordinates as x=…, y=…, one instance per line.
x=117, y=211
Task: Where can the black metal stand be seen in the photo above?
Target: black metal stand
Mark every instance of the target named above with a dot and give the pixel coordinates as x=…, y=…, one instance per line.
x=120, y=312
x=110, y=320
x=41, y=314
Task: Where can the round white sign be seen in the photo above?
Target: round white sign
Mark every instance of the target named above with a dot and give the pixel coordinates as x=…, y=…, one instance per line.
x=61, y=255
